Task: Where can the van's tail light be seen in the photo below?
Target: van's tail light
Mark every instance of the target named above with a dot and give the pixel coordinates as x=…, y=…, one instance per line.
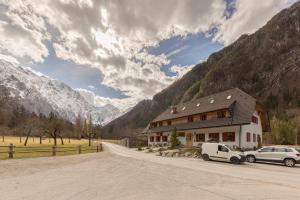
x=298, y=155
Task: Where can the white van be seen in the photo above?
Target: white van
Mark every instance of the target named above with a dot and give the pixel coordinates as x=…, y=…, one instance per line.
x=221, y=152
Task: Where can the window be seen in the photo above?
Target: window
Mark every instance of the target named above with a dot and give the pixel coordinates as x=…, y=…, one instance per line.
x=254, y=119
x=221, y=114
x=267, y=149
x=203, y=117
x=152, y=139
x=289, y=150
x=190, y=119
x=198, y=104
x=228, y=137
x=222, y=148
x=259, y=139
x=169, y=123
x=164, y=138
x=160, y=123
x=279, y=150
x=228, y=97
x=254, y=137
x=211, y=101
x=200, y=137
x=157, y=138
x=248, y=137
x=214, y=136
x=154, y=124
x=181, y=134
x=183, y=108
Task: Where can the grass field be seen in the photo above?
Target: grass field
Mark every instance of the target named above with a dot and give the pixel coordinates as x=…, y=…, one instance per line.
x=35, y=149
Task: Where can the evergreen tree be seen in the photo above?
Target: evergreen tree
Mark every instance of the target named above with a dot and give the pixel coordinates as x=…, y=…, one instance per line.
x=174, y=140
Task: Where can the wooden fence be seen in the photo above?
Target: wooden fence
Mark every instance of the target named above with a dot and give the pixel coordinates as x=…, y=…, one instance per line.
x=12, y=151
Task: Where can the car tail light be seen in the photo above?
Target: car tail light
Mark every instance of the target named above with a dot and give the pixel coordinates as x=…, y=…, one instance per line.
x=298, y=155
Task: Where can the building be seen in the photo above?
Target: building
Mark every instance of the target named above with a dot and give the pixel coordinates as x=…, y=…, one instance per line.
x=232, y=117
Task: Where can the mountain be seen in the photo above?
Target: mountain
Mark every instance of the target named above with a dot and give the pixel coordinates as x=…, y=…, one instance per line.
x=41, y=94
x=265, y=64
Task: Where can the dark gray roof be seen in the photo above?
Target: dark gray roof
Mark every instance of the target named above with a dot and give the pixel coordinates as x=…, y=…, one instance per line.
x=194, y=125
x=242, y=105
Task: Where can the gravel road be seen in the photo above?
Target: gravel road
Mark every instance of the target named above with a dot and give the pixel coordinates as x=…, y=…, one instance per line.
x=120, y=173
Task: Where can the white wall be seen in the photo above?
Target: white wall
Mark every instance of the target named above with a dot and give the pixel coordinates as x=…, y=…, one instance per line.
x=251, y=128
x=219, y=130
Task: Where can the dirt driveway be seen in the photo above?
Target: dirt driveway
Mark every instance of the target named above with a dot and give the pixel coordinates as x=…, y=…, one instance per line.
x=120, y=173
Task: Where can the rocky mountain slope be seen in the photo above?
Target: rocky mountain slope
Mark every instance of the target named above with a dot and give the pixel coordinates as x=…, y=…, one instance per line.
x=265, y=64
x=41, y=94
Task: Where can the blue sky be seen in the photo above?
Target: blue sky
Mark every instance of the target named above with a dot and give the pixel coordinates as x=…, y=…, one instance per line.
x=121, y=52
x=192, y=49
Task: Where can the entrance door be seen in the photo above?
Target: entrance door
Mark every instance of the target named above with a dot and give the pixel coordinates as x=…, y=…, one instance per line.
x=189, y=139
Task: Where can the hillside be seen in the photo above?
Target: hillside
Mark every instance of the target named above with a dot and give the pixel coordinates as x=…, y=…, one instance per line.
x=42, y=95
x=265, y=64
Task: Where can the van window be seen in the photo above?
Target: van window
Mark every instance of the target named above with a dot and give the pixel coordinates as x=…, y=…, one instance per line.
x=222, y=148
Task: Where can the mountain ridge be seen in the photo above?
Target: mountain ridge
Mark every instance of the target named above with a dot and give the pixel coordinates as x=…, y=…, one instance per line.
x=41, y=94
x=264, y=64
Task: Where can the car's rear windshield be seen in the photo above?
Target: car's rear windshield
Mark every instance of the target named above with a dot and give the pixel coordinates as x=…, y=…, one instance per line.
x=298, y=149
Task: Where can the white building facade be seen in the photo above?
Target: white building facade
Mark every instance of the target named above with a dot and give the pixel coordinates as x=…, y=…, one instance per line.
x=239, y=122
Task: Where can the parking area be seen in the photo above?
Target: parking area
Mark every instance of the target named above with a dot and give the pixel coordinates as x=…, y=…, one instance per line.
x=122, y=173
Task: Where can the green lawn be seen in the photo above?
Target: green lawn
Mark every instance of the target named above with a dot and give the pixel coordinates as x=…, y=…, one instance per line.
x=35, y=149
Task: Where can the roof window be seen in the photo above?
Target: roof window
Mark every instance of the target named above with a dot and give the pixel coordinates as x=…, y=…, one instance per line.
x=183, y=108
x=229, y=97
x=211, y=101
x=198, y=104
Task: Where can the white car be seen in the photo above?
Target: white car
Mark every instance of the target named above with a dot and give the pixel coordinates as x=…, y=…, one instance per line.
x=286, y=155
x=221, y=152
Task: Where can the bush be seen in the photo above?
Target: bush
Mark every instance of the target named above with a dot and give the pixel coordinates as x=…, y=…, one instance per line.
x=283, y=131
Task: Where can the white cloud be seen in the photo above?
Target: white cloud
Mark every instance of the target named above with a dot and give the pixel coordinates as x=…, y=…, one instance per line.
x=91, y=87
x=176, y=51
x=181, y=70
x=114, y=36
x=249, y=17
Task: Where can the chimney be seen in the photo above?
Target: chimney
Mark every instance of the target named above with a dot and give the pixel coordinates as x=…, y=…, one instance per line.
x=173, y=109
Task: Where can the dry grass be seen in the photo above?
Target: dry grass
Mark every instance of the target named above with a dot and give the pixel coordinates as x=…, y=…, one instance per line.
x=35, y=149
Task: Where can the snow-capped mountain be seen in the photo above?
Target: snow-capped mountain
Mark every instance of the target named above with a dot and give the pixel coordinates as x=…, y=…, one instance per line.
x=41, y=94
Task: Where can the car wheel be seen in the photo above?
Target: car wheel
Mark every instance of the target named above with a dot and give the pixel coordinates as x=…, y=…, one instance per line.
x=205, y=157
x=235, y=160
x=251, y=159
x=289, y=162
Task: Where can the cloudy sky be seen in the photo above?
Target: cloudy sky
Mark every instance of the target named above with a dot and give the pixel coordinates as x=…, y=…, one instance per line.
x=123, y=51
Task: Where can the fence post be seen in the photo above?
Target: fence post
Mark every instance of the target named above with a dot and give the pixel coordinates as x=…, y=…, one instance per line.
x=11, y=151
x=100, y=145
x=53, y=150
x=2, y=138
x=20, y=139
x=97, y=148
x=79, y=149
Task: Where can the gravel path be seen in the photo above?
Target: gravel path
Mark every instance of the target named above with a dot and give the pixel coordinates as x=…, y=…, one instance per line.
x=120, y=173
